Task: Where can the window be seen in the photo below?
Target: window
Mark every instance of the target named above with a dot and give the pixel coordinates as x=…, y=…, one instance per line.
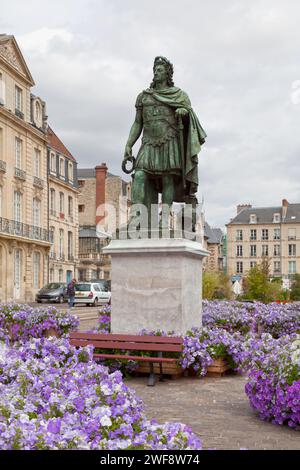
x=265, y=250
x=239, y=250
x=61, y=275
x=70, y=171
x=52, y=162
x=18, y=98
x=70, y=206
x=61, y=243
x=81, y=183
x=36, y=212
x=36, y=162
x=51, y=275
x=61, y=166
x=81, y=208
x=70, y=245
x=18, y=152
x=276, y=250
x=17, y=206
x=1, y=270
x=276, y=218
x=265, y=234
x=252, y=264
x=52, y=240
x=239, y=235
x=239, y=267
x=276, y=233
x=253, y=219
x=253, y=250
x=37, y=111
x=291, y=234
x=52, y=201
x=292, y=267
x=253, y=234
x=277, y=267
x=36, y=269
x=61, y=203
x=292, y=250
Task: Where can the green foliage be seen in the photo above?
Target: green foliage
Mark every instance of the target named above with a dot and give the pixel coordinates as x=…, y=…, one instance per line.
x=257, y=285
x=295, y=289
x=215, y=286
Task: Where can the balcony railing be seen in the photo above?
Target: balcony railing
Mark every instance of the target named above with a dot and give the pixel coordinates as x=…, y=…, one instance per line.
x=19, y=113
x=2, y=166
x=38, y=182
x=52, y=255
x=12, y=227
x=94, y=258
x=61, y=257
x=21, y=174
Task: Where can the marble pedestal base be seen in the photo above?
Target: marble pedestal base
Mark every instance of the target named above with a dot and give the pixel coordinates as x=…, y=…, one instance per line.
x=156, y=284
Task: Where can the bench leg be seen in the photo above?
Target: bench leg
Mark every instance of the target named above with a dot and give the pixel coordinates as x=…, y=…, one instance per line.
x=152, y=379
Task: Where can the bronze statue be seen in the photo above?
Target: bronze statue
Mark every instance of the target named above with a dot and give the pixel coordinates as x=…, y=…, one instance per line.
x=167, y=160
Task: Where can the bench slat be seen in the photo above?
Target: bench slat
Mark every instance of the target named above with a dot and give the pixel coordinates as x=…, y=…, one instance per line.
x=127, y=346
x=133, y=338
x=136, y=358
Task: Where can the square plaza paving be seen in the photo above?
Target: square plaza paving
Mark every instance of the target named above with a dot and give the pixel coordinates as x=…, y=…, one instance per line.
x=217, y=410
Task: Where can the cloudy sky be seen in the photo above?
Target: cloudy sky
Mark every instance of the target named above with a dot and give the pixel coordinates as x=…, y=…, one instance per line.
x=238, y=61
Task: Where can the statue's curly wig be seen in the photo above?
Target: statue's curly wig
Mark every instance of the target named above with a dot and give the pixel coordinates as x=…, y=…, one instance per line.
x=169, y=67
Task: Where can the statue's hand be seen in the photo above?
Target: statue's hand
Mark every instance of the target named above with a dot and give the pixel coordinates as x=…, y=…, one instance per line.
x=181, y=112
x=128, y=152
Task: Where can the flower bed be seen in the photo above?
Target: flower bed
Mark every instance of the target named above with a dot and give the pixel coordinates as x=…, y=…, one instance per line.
x=55, y=397
x=273, y=385
x=21, y=322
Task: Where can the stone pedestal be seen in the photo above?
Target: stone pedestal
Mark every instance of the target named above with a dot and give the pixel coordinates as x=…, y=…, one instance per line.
x=156, y=284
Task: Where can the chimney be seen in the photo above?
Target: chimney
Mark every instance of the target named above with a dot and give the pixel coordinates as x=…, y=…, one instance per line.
x=101, y=172
x=285, y=204
x=240, y=207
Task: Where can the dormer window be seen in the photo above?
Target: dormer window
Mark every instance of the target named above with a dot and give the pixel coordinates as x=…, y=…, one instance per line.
x=70, y=171
x=52, y=162
x=61, y=166
x=253, y=219
x=276, y=218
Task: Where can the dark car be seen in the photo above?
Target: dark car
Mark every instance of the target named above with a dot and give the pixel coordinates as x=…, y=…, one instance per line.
x=53, y=292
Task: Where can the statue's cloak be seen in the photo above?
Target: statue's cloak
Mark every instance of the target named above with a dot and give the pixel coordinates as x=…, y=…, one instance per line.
x=194, y=135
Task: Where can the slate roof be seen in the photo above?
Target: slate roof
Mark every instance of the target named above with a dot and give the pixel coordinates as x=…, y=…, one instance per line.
x=84, y=173
x=265, y=215
x=214, y=235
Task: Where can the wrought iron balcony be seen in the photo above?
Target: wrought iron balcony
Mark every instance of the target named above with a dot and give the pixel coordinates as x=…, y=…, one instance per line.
x=2, y=166
x=38, y=182
x=18, y=229
x=19, y=113
x=21, y=174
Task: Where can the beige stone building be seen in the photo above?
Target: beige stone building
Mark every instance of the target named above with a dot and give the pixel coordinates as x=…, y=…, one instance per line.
x=24, y=235
x=272, y=233
x=103, y=199
x=63, y=210
x=213, y=243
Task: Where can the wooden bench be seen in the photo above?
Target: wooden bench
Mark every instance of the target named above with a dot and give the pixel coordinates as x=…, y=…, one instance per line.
x=128, y=343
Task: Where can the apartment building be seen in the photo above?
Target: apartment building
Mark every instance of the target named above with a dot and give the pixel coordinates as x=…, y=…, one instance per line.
x=258, y=233
x=105, y=198
x=213, y=243
x=63, y=210
x=24, y=235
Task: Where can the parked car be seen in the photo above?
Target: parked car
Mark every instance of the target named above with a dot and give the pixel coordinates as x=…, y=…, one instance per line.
x=91, y=293
x=106, y=283
x=53, y=292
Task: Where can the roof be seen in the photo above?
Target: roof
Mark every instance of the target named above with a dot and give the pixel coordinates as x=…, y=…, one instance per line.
x=55, y=143
x=214, y=235
x=265, y=215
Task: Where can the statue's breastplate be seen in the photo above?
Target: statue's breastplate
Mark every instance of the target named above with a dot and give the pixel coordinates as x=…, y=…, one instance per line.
x=159, y=121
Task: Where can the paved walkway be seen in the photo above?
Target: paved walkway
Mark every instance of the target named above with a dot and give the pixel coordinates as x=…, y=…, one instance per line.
x=218, y=411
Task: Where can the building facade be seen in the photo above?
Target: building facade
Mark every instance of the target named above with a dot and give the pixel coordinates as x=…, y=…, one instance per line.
x=270, y=233
x=103, y=205
x=63, y=210
x=24, y=235
x=213, y=243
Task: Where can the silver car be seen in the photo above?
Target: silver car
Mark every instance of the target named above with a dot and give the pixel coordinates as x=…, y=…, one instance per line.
x=90, y=293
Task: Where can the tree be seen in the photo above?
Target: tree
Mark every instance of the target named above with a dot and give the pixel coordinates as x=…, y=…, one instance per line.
x=215, y=286
x=295, y=288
